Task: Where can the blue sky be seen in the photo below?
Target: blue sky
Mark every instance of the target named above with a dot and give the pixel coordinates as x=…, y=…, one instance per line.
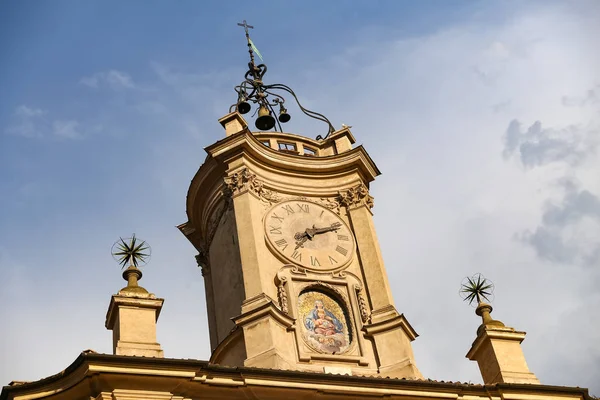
x=482, y=116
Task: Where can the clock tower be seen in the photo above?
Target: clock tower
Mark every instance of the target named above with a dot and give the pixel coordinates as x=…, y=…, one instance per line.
x=283, y=226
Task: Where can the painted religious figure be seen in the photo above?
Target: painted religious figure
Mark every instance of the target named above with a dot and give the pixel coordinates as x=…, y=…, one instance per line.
x=325, y=324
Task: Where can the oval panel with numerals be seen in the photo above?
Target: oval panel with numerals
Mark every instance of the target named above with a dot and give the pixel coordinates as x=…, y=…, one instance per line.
x=309, y=235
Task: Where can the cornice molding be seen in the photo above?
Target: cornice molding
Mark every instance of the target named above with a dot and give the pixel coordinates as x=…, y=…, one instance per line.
x=387, y=319
x=494, y=333
x=245, y=142
x=117, y=301
x=187, y=377
x=261, y=306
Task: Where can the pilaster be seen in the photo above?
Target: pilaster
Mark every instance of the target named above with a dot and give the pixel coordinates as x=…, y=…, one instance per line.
x=249, y=229
x=392, y=335
x=203, y=261
x=265, y=327
x=389, y=330
x=359, y=203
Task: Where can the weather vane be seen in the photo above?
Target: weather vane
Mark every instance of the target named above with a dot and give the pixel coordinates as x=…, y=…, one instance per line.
x=131, y=251
x=253, y=90
x=476, y=288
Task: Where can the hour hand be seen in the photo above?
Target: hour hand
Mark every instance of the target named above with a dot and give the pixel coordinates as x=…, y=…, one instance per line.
x=301, y=238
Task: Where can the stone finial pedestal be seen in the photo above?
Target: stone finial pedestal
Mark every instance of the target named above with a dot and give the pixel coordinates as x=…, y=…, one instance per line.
x=233, y=123
x=342, y=139
x=132, y=316
x=497, y=350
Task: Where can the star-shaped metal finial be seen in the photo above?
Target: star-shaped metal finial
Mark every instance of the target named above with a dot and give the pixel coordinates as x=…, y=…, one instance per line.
x=131, y=250
x=476, y=288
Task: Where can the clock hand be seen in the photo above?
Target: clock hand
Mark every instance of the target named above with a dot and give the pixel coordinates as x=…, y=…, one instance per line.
x=300, y=237
x=309, y=233
x=316, y=231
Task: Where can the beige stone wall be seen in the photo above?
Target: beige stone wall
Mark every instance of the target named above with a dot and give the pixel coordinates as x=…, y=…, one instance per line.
x=226, y=276
x=135, y=325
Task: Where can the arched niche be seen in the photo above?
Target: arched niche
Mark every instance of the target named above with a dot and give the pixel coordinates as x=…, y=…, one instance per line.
x=323, y=317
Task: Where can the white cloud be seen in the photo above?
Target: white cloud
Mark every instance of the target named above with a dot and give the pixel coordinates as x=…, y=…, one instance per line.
x=569, y=229
x=498, y=50
x=29, y=122
x=34, y=123
x=538, y=146
x=591, y=97
x=26, y=112
x=67, y=129
x=115, y=80
x=25, y=129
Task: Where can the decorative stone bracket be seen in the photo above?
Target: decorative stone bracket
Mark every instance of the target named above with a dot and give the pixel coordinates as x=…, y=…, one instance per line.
x=362, y=304
x=282, y=294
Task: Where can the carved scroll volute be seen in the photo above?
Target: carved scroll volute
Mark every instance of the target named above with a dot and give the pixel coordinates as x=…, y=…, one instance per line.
x=282, y=294
x=355, y=197
x=362, y=304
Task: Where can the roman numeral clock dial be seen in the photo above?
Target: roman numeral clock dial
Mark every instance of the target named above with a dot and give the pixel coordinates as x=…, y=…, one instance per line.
x=310, y=235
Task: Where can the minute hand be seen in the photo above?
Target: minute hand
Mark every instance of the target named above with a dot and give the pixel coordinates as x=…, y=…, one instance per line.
x=316, y=231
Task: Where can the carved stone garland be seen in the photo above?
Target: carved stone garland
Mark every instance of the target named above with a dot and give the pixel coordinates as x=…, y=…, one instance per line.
x=244, y=180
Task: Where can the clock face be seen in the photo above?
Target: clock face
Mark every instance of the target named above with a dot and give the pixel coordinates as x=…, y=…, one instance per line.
x=309, y=235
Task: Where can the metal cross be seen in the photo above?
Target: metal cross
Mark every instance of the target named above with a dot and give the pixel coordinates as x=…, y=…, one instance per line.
x=246, y=26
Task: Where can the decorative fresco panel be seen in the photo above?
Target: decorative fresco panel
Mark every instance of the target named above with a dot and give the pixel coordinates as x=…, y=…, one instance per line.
x=325, y=326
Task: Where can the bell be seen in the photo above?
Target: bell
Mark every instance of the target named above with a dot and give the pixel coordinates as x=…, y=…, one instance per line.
x=283, y=114
x=265, y=121
x=243, y=107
